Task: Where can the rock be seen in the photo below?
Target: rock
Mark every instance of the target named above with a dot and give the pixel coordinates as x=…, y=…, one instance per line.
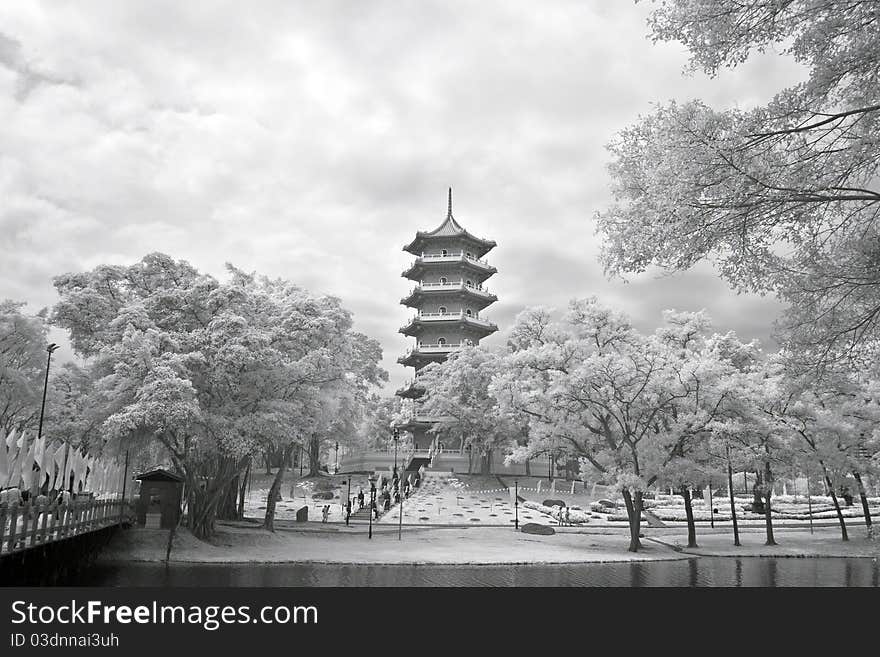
x=535, y=528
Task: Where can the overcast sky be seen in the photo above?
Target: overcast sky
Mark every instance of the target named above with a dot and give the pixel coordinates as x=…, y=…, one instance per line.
x=310, y=140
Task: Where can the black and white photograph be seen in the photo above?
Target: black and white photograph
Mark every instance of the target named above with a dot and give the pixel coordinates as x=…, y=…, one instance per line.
x=437, y=294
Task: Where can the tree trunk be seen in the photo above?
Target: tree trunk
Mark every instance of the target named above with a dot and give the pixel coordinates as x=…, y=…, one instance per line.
x=768, y=493
x=634, y=512
x=275, y=489
x=863, y=496
x=314, y=456
x=267, y=459
x=242, y=489
x=205, y=499
x=757, y=504
x=487, y=463
x=685, y=492
x=528, y=469
x=227, y=508
x=732, y=504
x=844, y=536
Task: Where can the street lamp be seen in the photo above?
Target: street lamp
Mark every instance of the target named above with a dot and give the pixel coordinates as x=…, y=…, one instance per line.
x=396, y=434
x=400, y=518
x=516, y=504
x=348, y=502
x=372, y=479
x=51, y=349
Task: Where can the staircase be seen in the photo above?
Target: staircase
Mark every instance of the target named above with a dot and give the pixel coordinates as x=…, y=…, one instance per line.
x=362, y=514
x=417, y=462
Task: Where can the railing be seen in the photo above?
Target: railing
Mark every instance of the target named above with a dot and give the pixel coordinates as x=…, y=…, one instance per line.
x=453, y=284
x=440, y=317
x=479, y=290
x=460, y=254
x=430, y=349
x=24, y=526
x=437, y=346
x=449, y=257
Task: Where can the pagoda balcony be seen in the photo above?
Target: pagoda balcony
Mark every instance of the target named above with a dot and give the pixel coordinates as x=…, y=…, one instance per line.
x=477, y=293
x=424, y=353
x=435, y=348
x=428, y=259
x=473, y=320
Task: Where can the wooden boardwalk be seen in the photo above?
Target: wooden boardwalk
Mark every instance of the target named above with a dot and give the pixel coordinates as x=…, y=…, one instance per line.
x=30, y=525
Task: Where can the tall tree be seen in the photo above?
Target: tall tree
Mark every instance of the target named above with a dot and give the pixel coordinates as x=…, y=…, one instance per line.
x=783, y=197
x=457, y=394
x=211, y=370
x=592, y=385
x=22, y=366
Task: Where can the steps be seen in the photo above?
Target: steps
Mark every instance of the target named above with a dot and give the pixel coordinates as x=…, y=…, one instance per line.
x=363, y=515
x=416, y=463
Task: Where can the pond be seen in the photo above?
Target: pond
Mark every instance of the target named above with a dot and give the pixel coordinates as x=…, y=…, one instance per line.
x=705, y=571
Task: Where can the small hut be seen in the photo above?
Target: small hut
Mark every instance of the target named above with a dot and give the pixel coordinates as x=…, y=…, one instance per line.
x=158, y=504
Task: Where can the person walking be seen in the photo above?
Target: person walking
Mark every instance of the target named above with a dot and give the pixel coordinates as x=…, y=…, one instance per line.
x=325, y=512
x=567, y=517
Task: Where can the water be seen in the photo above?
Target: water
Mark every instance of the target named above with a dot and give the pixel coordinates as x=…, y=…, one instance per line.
x=706, y=571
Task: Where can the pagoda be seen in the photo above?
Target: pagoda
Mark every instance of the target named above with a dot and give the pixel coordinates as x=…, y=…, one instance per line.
x=449, y=272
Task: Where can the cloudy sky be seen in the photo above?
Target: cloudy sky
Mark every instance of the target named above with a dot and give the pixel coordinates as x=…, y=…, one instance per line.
x=311, y=140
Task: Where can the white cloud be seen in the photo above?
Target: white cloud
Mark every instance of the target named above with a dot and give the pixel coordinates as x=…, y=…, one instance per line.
x=311, y=141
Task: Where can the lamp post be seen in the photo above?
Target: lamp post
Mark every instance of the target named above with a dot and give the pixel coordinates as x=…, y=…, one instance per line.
x=711, y=508
x=516, y=504
x=348, y=502
x=809, y=503
x=396, y=433
x=400, y=519
x=372, y=502
x=51, y=349
x=301, y=460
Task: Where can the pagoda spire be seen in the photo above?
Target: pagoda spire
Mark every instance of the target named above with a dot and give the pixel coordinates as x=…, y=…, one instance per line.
x=449, y=209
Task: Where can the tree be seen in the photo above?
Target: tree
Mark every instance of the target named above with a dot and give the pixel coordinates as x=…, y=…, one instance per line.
x=833, y=419
x=762, y=445
x=608, y=395
x=22, y=366
x=782, y=197
x=212, y=371
x=77, y=408
x=457, y=394
x=374, y=429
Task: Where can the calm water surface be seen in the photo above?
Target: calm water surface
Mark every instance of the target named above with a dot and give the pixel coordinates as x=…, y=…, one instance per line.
x=691, y=572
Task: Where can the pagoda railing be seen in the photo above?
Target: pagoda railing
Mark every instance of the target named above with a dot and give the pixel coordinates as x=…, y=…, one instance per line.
x=438, y=346
x=457, y=285
x=441, y=317
x=460, y=254
x=432, y=348
x=450, y=257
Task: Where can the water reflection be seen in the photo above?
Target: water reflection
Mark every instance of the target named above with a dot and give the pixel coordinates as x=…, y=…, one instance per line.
x=686, y=572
